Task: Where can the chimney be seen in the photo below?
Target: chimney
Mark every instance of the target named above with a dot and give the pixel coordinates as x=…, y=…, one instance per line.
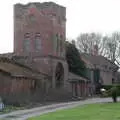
x=95, y=50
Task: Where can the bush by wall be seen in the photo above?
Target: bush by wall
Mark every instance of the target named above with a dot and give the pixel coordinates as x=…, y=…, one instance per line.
x=108, y=87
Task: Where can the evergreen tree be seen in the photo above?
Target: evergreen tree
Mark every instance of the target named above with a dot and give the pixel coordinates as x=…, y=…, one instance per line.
x=76, y=65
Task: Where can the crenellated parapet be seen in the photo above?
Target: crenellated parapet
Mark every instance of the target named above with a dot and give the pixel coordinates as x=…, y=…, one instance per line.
x=48, y=9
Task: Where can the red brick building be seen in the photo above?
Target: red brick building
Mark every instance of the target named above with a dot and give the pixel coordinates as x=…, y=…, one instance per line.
x=18, y=82
x=39, y=33
x=39, y=44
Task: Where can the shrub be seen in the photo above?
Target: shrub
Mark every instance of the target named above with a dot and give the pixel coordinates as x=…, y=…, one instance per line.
x=108, y=89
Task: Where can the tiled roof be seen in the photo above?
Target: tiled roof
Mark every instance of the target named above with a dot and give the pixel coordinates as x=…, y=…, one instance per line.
x=24, y=61
x=15, y=69
x=98, y=60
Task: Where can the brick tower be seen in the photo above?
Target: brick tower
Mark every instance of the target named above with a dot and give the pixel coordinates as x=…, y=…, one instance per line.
x=39, y=29
x=40, y=32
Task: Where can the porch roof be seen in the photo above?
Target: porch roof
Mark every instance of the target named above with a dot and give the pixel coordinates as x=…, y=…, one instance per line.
x=18, y=70
x=76, y=78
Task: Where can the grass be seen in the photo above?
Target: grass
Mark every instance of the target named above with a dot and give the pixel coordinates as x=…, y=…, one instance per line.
x=105, y=111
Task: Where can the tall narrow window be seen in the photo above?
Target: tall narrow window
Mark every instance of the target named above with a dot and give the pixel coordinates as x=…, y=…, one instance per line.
x=57, y=38
x=37, y=42
x=58, y=44
x=26, y=42
x=61, y=43
x=55, y=43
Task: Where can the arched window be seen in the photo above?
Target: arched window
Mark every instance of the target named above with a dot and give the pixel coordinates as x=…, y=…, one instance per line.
x=37, y=42
x=26, y=42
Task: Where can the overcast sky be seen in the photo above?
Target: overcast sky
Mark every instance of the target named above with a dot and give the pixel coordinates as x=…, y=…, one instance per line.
x=82, y=16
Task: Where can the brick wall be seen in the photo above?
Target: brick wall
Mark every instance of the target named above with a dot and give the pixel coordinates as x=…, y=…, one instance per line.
x=37, y=18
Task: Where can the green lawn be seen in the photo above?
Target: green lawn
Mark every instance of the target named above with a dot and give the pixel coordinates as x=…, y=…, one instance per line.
x=108, y=111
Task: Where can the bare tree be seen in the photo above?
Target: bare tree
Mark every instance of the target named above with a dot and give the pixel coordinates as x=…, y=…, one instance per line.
x=86, y=43
x=107, y=46
x=113, y=47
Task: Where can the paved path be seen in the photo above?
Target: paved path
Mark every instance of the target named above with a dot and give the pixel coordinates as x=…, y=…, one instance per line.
x=24, y=114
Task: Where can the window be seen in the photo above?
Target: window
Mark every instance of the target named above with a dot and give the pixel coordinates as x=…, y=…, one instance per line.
x=54, y=43
x=26, y=42
x=57, y=38
x=61, y=43
x=58, y=44
x=113, y=81
x=96, y=75
x=37, y=42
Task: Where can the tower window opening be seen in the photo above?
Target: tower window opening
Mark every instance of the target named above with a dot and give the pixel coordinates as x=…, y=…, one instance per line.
x=37, y=42
x=26, y=42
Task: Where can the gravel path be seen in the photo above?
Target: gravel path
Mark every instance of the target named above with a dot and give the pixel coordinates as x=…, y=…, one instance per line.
x=24, y=114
